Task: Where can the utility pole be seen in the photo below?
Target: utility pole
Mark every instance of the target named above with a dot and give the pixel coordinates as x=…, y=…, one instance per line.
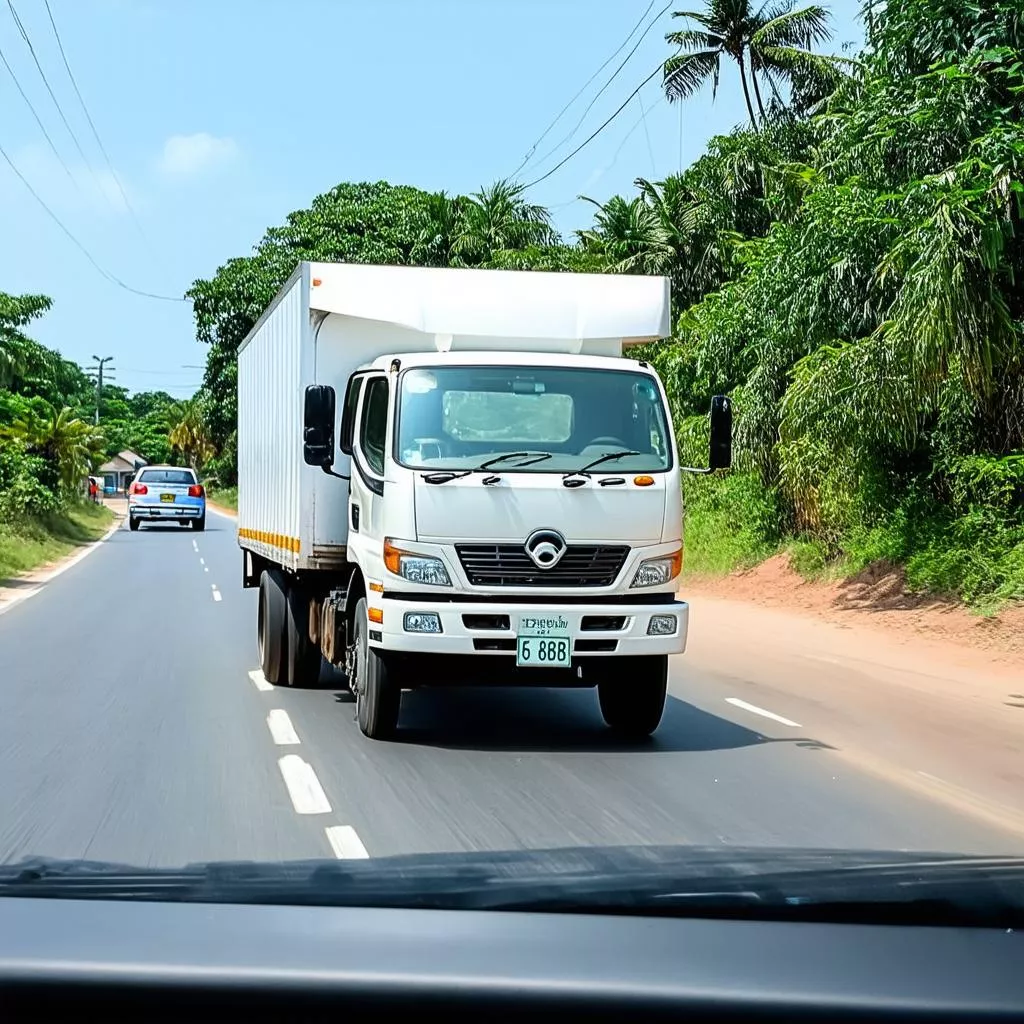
x=98, y=371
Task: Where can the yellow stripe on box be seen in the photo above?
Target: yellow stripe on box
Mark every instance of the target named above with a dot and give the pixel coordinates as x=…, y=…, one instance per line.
x=275, y=540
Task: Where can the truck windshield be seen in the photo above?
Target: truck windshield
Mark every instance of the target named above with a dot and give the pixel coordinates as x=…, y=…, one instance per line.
x=455, y=417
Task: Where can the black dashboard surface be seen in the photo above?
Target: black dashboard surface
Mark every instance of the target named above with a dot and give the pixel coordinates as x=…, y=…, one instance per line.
x=167, y=960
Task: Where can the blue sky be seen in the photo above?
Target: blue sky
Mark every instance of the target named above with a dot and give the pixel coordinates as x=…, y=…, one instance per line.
x=221, y=116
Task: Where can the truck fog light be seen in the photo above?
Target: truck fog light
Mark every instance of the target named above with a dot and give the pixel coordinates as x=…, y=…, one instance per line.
x=422, y=622
x=662, y=625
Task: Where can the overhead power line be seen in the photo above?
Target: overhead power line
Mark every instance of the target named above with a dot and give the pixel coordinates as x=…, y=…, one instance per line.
x=92, y=125
x=113, y=279
x=614, y=75
x=586, y=84
x=593, y=135
x=39, y=121
x=53, y=96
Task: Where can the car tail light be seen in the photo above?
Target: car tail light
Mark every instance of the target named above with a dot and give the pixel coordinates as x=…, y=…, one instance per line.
x=196, y=491
x=140, y=489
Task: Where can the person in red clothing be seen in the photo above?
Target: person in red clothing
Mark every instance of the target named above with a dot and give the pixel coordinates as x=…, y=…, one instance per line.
x=93, y=489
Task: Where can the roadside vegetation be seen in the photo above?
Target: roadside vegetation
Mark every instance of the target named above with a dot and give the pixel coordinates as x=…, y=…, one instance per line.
x=31, y=541
x=846, y=264
x=50, y=441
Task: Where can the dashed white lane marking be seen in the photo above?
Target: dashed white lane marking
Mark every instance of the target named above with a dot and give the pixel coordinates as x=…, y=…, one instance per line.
x=216, y=593
x=345, y=843
x=281, y=728
x=755, y=710
x=304, y=787
x=206, y=568
x=259, y=681
x=202, y=561
x=195, y=546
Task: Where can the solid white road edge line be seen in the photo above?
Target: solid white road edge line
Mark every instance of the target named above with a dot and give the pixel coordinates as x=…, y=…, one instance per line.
x=281, y=728
x=755, y=710
x=345, y=843
x=259, y=681
x=24, y=595
x=304, y=787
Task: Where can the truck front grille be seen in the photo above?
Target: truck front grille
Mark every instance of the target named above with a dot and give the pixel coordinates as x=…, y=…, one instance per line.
x=508, y=565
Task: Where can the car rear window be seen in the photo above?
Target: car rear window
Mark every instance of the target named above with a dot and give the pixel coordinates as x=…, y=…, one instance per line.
x=167, y=476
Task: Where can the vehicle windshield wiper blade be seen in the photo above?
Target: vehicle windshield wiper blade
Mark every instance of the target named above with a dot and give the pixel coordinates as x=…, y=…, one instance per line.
x=594, y=463
x=532, y=456
x=444, y=475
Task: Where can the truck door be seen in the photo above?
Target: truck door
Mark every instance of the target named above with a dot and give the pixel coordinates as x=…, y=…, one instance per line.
x=366, y=494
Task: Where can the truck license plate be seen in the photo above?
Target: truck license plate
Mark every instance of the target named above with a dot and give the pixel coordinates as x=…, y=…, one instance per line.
x=543, y=641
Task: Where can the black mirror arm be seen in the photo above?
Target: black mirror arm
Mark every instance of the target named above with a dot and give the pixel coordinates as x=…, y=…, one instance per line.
x=330, y=472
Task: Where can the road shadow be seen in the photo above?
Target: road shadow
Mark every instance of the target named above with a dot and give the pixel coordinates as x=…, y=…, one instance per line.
x=535, y=720
x=176, y=528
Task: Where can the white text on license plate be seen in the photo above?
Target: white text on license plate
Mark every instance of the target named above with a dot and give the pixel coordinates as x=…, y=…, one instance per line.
x=543, y=641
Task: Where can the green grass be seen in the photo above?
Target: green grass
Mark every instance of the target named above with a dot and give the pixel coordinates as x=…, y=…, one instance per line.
x=224, y=496
x=30, y=543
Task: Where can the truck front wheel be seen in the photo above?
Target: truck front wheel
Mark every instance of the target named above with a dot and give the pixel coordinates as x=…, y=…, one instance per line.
x=378, y=698
x=631, y=692
x=270, y=629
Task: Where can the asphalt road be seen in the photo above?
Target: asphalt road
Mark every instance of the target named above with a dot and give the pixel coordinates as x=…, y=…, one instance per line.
x=135, y=727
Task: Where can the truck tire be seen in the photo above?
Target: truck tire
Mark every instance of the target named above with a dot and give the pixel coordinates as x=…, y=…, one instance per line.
x=273, y=610
x=378, y=698
x=632, y=695
x=302, y=658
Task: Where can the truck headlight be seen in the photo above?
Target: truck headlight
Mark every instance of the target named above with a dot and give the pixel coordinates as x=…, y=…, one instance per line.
x=415, y=568
x=653, y=572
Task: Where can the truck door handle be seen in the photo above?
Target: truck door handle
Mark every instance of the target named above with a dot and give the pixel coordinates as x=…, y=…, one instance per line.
x=355, y=518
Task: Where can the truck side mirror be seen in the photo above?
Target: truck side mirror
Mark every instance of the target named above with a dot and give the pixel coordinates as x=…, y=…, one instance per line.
x=318, y=426
x=720, y=456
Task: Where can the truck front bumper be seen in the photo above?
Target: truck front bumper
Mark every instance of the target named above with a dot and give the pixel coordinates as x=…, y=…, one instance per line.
x=597, y=629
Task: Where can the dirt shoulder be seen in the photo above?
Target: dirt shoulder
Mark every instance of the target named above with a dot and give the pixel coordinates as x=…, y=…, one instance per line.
x=876, y=600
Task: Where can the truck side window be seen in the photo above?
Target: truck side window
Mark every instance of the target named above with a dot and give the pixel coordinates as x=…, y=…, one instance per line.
x=375, y=424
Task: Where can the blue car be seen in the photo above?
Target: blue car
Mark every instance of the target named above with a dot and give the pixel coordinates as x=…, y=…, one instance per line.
x=167, y=494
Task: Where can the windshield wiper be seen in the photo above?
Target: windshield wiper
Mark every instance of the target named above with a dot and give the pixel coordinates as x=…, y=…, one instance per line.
x=532, y=456
x=576, y=477
x=444, y=476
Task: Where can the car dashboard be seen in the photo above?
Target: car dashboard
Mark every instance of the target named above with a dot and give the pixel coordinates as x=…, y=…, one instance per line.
x=171, y=960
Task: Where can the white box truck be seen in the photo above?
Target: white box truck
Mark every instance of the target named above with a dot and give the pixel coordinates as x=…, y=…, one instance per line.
x=455, y=476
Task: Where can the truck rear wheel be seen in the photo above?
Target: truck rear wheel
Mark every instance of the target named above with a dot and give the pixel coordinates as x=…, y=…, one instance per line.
x=302, y=658
x=631, y=692
x=378, y=698
x=270, y=629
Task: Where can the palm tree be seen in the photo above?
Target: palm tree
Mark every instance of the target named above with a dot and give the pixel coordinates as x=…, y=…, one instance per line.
x=772, y=40
x=69, y=445
x=499, y=218
x=190, y=434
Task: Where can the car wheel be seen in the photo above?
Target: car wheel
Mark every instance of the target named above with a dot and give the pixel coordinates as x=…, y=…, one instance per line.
x=133, y=523
x=200, y=523
x=631, y=692
x=271, y=624
x=378, y=698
